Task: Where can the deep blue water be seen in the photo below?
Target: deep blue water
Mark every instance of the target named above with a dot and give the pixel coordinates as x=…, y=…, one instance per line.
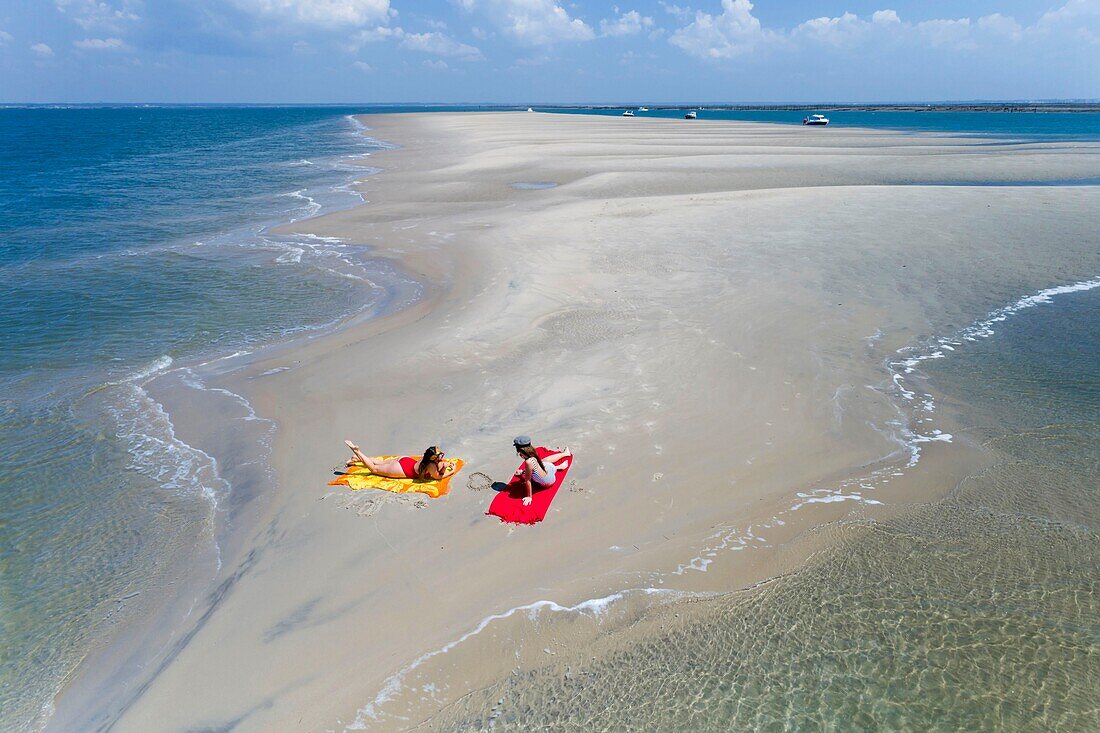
x=1014, y=125
x=135, y=237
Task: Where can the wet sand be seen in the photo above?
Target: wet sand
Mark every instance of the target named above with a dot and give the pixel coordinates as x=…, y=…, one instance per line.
x=700, y=311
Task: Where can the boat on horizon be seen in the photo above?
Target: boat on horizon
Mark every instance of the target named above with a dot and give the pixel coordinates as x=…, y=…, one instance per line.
x=643, y=109
x=820, y=120
x=690, y=115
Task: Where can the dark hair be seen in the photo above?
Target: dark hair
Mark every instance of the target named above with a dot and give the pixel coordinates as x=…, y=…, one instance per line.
x=429, y=458
x=528, y=451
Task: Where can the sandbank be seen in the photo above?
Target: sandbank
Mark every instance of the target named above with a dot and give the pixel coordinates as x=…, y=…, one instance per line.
x=703, y=312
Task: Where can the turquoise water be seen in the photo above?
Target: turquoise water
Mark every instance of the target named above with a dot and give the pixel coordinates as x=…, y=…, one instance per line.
x=137, y=239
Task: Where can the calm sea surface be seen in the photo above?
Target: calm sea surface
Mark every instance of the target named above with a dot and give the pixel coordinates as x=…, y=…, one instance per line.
x=134, y=238
x=1014, y=125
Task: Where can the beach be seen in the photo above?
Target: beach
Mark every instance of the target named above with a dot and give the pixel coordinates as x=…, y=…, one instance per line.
x=708, y=314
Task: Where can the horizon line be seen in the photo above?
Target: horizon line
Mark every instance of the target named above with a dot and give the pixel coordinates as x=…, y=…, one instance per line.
x=594, y=105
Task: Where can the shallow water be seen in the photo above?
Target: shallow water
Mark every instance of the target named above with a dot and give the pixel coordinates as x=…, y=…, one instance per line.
x=977, y=612
x=135, y=240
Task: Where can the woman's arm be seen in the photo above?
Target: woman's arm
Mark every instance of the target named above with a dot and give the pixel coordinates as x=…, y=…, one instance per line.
x=527, y=482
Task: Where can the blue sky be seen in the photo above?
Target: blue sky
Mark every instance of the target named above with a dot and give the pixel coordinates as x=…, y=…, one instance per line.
x=529, y=51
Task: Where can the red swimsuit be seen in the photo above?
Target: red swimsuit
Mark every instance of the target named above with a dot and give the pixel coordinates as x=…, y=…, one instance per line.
x=408, y=465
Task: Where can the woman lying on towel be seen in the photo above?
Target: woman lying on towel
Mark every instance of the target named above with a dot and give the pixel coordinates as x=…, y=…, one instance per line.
x=541, y=471
x=431, y=466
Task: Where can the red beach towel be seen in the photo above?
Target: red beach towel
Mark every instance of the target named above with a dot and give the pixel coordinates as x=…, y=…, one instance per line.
x=508, y=503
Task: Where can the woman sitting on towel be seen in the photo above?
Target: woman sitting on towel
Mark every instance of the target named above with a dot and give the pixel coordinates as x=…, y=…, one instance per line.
x=430, y=467
x=535, y=470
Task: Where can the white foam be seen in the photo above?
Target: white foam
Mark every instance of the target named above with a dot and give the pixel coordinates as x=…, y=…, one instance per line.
x=361, y=130
x=312, y=207
x=145, y=428
x=160, y=365
x=980, y=329
x=192, y=380
x=293, y=255
x=831, y=498
x=729, y=539
x=594, y=607
x=275, y=370
x=984, y=327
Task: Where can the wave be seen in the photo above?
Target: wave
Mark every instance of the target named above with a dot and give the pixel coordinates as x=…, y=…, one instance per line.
x=146, y=431
x=595, y=607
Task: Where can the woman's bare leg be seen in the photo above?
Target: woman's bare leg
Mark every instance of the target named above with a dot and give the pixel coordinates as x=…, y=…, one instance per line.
x=389, y=469
x=358, y=454
x=555, y=457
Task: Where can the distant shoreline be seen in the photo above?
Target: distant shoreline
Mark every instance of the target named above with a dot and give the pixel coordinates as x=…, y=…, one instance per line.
x=1087, y=107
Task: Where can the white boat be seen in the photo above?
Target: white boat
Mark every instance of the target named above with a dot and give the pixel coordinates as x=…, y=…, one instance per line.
x=815, y=120
x=628, y=113
x=690, y=115
x=530, y=110
x=643, y=109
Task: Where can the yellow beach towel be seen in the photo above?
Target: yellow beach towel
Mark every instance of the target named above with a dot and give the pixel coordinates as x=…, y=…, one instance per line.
x=359, y=476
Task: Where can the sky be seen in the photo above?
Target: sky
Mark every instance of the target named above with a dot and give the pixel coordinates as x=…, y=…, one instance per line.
x=548, y=51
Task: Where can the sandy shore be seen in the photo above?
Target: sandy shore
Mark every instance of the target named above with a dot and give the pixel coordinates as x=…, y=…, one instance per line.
x=701, y=311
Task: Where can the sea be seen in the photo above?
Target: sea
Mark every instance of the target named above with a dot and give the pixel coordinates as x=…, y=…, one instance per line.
x=136, y=239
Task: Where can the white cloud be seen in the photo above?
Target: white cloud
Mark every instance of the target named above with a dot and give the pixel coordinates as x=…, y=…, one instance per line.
x=42, y=50
x=373, y=35
x=534, y=61
x=439, y=45
x=679, y=11
x=319, y=13
x=533, y=22
x=885, y=17
x=5, y=37
x=1071, y=11
x=1078, y=18
x=736, y=31
x=101, y=44
x=99, y=15
x=1001, y=25
x=845, y=29
x=626, y=24
x=436, y=65
x=362, y=66
x=945, y=31
x=836, y=31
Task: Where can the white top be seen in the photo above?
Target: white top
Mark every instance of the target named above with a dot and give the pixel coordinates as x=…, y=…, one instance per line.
x=546, y=478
